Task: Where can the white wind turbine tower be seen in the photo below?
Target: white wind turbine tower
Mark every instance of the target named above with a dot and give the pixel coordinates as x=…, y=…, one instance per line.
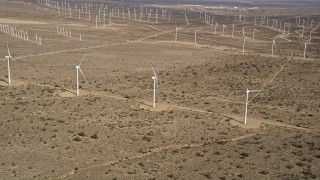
x=156, y=15
x=312, y=31
x=247, y=100
x=284, y=27
x=311, y=23
x=302, y=31
x=254, y=30
x=175, y=40
x=243, y=38
x=97, y=20
x=195, y=37
x=155, y=86
x=215, y=28
x=223, y=27
x=273, y=44
x=110, y=17
x=9, y=58
x=232, y=28
x=305, y=48
x=79, y=69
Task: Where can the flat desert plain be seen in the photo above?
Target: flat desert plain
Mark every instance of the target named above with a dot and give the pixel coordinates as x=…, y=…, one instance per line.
x=206, y=57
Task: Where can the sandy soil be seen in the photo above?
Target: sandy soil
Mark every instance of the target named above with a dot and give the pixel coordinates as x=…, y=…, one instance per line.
x=196, y=130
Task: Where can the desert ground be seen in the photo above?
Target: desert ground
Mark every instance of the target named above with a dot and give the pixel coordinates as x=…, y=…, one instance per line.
x=205, y=56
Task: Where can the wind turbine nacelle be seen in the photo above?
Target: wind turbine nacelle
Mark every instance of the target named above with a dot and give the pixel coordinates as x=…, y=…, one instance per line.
x=154, y=77
x=7, y=57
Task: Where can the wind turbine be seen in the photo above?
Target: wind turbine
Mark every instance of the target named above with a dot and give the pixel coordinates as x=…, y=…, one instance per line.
x=232, y=28
x=79, y=69
x=175, y=40
x=110, y=18
x=215, y=28
x=284, y=28
x=274, y=43
x=223, y=27
x=311, y=23
x=97, y=20
x=312, y=31
x=155, y=86
x=156, y=15
x=305, y=48
x=243, y=38
x=195, y=37
x=273, y=23
x=9, y=58
x=302, y=31
x=254, y=30
x=248, y=91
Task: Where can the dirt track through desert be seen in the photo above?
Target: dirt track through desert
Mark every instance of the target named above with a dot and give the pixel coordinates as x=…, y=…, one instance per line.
x=152, y=152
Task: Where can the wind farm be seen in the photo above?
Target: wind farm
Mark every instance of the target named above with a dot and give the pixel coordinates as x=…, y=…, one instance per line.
x=159, y=90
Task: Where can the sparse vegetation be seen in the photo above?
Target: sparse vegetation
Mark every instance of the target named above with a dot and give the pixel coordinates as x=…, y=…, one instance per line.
x=196, y=130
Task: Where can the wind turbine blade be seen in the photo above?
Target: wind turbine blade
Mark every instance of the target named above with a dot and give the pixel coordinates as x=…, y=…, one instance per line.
x=242, y=82
x=8, y=49
x=82, y=59
x=157, y=82
x=82, y=74
x=256, y=90
x=154, y=72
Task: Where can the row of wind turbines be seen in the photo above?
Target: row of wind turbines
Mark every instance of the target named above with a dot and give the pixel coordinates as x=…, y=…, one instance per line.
x=20, y=33
x=78, y=69
x=155, y=79
x=264, y=20
x=9, y=58
x=102, y=11
x=64, y=32
x=207, y=17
